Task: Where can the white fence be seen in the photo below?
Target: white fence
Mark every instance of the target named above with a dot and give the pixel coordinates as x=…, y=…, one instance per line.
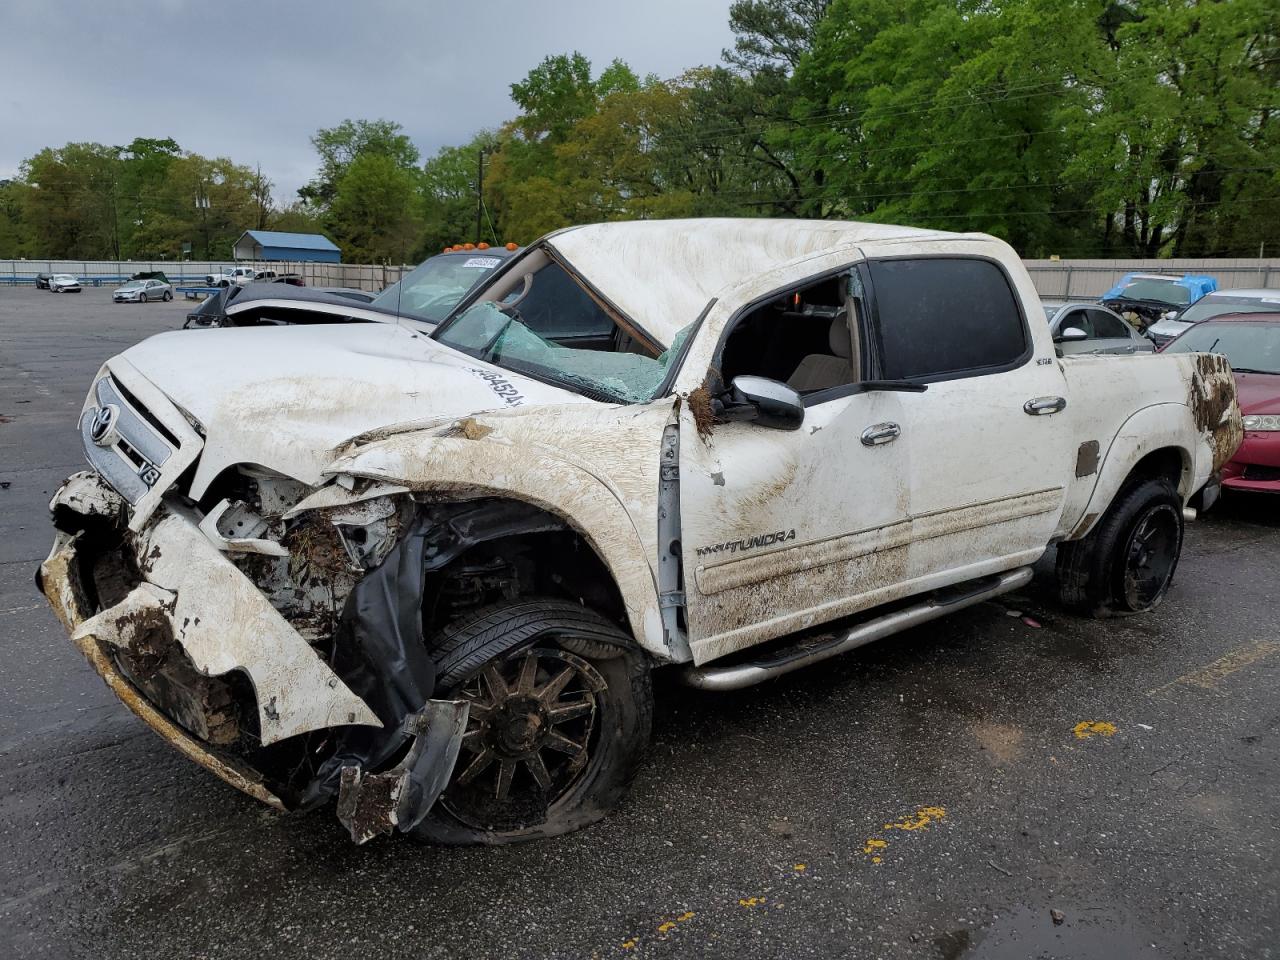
x=192, y=272
x=1056, y=279
x=1090, y=279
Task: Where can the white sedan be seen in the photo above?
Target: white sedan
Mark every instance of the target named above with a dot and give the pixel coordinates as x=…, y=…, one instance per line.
x=140, y=291
x=64, y=283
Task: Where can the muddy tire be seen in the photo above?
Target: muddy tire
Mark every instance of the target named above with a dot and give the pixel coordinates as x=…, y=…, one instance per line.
x=1126, y=563
x=562, y=709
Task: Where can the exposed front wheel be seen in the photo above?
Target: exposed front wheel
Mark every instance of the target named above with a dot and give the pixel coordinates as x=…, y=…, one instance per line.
x=561, y=711
x=1126, y=564
x=142, y=298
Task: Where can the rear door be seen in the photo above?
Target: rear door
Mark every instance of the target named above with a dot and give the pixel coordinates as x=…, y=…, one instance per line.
x=989, y=452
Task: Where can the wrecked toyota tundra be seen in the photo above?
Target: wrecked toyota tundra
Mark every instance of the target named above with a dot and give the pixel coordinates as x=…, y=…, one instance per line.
x=425, y=574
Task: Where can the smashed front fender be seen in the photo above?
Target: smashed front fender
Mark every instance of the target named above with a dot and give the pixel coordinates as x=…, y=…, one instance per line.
x=224, y=623
x=169, y=622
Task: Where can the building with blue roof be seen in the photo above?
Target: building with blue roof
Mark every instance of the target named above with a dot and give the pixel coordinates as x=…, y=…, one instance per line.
x=274, y=245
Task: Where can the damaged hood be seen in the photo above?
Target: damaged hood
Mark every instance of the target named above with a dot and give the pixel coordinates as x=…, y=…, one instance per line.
x=286, y=397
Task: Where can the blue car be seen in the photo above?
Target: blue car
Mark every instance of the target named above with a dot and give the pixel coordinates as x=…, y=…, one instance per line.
x=1145, y=298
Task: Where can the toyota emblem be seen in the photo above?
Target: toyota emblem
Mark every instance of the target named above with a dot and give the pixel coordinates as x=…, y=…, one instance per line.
x=102, y=429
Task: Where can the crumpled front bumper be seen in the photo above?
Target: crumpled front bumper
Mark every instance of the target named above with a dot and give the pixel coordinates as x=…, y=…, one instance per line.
x=187, y=593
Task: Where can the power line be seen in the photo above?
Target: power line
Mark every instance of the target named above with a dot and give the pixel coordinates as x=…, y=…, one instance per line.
x=1046, y=185
x=1055, y=88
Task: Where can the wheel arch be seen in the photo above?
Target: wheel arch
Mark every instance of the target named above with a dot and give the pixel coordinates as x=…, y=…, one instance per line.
x=1152, y=443
x=448, y=468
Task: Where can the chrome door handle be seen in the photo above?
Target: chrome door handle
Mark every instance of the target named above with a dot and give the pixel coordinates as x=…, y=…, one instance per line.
x=1043, y=406
x=879, y=433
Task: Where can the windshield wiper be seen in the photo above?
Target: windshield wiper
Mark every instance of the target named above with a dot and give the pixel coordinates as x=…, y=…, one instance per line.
x=1235, y=369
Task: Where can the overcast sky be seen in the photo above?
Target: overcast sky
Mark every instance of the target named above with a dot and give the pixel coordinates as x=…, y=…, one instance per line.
x=253, y=80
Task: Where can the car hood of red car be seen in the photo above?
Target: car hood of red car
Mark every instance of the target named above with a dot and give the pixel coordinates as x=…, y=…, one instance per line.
x=1258, y=392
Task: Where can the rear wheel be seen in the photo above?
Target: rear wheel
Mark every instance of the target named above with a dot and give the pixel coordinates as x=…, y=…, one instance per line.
x=561, y=710
x=1126, y=564
x=168, y=295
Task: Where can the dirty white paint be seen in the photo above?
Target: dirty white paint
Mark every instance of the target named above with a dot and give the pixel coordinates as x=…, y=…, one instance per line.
x=224, y=623
x=824, y=525
x=662, y=273
x=973, y=485
x=162, y=408
x=285, y=397
x=593, y=465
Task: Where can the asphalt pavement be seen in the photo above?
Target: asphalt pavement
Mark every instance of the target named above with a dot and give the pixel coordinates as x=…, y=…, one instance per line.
x=1011, y=782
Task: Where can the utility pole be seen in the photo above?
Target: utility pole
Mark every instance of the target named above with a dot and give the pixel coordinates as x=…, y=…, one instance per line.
x=479, y=191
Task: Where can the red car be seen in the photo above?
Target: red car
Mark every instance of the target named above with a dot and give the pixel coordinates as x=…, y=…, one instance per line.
x=1251, y=341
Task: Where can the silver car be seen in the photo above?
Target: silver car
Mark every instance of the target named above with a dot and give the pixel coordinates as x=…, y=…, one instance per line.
x=1214, y=305
x=1092, y=328
x=140, y=291
x=64, y=283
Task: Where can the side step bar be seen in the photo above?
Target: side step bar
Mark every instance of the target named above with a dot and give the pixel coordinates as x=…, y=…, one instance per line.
x=816, y=649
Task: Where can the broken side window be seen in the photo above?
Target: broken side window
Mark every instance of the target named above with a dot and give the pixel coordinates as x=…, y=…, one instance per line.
x=803, y=337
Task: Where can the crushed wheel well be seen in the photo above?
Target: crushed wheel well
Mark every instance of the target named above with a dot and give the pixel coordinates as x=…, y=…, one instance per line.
x=556, y=562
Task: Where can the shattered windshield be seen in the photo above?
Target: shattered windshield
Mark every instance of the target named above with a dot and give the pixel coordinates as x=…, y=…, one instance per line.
x=434, y=287
x=541, y=322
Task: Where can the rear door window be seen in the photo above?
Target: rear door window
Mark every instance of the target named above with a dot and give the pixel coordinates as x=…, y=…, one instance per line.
x=945, y=317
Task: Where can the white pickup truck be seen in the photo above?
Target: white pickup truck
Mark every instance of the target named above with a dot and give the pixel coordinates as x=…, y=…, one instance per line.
x=237, y=276
x=428, y=575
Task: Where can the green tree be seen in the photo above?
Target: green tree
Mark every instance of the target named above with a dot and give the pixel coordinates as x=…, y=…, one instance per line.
x=143, y=173
x=945, y=114
x=773, y=35
x=449, y=184
x=1178, y=133
x=207, y=202
x=340, y=146
x=15, y=234
x=374, y=216
x=73, y=206
x=526, y=183
x=1132, y=133
x=295, y=218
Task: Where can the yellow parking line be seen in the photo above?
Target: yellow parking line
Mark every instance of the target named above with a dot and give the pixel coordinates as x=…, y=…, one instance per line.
x=1212, y=674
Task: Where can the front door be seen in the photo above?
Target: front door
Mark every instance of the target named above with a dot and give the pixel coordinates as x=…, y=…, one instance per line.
x=782, y=530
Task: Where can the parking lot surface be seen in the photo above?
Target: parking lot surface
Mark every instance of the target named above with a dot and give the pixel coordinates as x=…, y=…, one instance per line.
x=1010, y=782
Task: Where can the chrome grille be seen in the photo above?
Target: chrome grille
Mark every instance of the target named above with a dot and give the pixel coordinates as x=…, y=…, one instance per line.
x=120, y=444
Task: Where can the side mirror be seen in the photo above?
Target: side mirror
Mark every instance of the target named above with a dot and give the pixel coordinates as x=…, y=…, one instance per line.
x=1070, y=335
x=770, y=403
